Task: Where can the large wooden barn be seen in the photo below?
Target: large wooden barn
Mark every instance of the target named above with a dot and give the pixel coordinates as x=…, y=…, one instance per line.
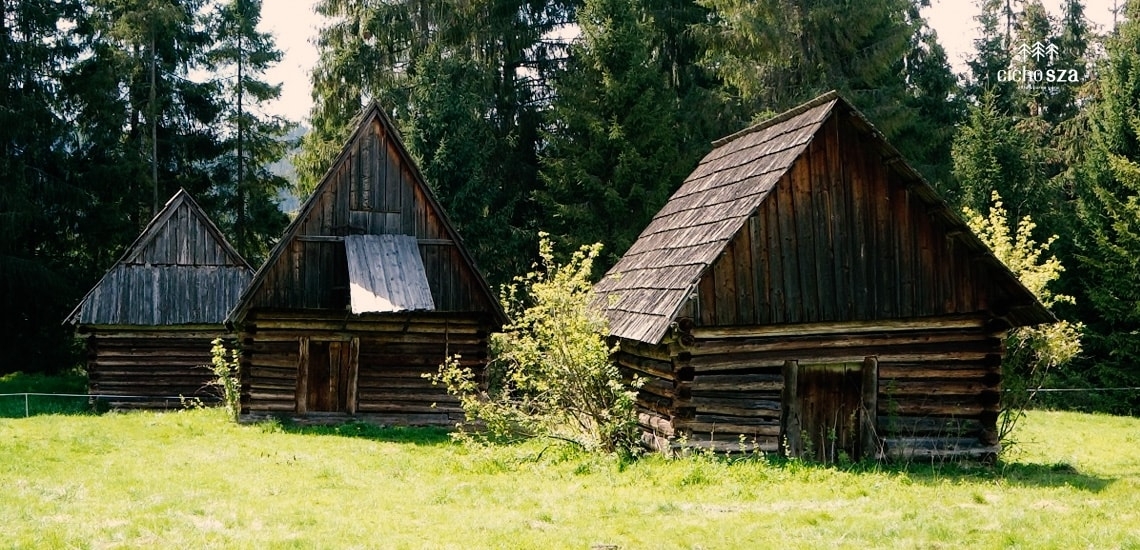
x=807, y=291
x=150, y=320
x=369, y=289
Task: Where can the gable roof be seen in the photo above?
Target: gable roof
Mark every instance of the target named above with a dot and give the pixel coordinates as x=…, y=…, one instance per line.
x=644, y=292
x=372, y=114
x=180, y=270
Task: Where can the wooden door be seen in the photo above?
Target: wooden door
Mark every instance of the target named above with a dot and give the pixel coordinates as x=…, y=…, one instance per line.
x=326, y=378
x=829, y=415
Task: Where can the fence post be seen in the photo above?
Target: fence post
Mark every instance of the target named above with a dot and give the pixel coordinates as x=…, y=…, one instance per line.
x=26, y=405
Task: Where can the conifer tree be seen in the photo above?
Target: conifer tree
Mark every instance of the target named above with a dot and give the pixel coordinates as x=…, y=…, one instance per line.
x=244, y=190
x=1109, y=214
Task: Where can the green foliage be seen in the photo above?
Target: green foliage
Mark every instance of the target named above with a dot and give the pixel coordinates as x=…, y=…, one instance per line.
x=614, y=153
x=244, y=190
x=1031, y=352
x=1108, y=243
x=226, y=376
x=551, y=373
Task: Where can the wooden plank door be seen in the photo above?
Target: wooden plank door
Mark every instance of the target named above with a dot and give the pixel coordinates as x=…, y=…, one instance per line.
x=828, y=414
x=327, y=376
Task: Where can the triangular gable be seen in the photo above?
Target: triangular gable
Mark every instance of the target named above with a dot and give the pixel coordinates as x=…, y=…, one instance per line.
x=180, y=270
x=645, y=291
x=372, y=188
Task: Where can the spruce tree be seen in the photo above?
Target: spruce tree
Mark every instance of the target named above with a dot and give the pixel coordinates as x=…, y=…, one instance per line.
x=614, y=151
x=244, y=191
x=35, y=270
x=1109, y=217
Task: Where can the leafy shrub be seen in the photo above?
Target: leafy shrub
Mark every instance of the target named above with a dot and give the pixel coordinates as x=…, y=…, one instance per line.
x=1031, y=352
x=550, y=373
x=226, y=373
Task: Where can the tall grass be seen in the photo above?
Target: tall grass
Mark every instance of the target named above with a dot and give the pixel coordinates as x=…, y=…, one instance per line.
x=190, y=478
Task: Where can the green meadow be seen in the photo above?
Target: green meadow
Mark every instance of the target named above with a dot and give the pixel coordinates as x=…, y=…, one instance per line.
x=192, y=479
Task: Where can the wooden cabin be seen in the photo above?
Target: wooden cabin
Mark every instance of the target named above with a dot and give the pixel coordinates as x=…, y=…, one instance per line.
x=369, y=289
x=150, y=321
x=805, y=290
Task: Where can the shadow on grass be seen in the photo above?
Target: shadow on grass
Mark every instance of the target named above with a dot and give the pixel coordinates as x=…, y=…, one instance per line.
x=1013, y=473
x=421, y=436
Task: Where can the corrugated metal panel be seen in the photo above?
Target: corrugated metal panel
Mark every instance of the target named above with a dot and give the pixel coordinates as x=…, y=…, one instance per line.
x=386, y=274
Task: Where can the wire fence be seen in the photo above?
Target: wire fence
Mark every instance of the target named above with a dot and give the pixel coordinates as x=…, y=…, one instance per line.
x=92, y=401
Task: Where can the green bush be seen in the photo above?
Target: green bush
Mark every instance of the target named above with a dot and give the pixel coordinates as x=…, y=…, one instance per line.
x=226, y=376
x=550, y=374
x=1031, y=352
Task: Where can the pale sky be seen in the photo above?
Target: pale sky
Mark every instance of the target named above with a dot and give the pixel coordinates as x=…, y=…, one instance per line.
x=294, y=24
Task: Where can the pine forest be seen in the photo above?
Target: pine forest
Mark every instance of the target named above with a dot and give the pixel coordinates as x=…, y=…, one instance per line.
x=577, y=118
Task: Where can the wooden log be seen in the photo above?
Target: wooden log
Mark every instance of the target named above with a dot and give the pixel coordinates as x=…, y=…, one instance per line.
x=739, y=382
x=920, y=426
x=790, y=411
x=839, y=341
x=655, y=423
x=641, y=349
x=903, y=407
x=729, y=430
x=846, y=327
x=302, y=395
x=963, y=371
x=652, y=367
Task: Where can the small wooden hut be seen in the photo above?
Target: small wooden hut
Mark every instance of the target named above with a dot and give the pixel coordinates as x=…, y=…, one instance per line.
x=150, y=320
x=369, y=289
x=807, y=291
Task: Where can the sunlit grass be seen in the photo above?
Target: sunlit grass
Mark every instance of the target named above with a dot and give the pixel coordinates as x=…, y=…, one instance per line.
x=192, y=479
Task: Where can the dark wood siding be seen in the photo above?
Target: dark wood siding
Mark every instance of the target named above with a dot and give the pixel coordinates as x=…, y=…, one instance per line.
x=153, y=366
x=841, y=238
x=394, y=352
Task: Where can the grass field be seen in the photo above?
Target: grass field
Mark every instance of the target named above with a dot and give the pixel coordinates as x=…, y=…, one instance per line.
x=192, y=479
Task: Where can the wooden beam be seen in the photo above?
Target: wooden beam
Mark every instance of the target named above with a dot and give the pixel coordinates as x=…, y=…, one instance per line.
x=868, y=433
x=353, y=375
x=789, y=411
x=946, y=322
x=302, y=396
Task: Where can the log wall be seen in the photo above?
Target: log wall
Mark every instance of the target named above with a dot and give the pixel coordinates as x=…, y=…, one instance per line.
x=158, y=365
x=392, y=351
x=936, y=394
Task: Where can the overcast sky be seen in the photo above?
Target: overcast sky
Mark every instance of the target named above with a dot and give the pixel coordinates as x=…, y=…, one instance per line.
x=295, y=25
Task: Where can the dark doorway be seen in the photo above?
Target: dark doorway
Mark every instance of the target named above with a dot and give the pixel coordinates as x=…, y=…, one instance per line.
x=327, y=377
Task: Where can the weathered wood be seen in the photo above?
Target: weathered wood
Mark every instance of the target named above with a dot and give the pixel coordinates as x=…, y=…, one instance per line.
x=651, y=367
x=790, y=427
x=884, y=325
x=302, y=395
x=743, y=382
x=868, y=410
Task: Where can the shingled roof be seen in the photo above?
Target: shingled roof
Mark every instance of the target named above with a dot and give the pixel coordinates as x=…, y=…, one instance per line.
x=181, y=270
x=643, y=293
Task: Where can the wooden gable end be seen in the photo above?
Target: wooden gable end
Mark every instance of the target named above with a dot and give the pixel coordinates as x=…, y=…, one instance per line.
x=372, y=189
x=183, y=236
x=845, y=237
